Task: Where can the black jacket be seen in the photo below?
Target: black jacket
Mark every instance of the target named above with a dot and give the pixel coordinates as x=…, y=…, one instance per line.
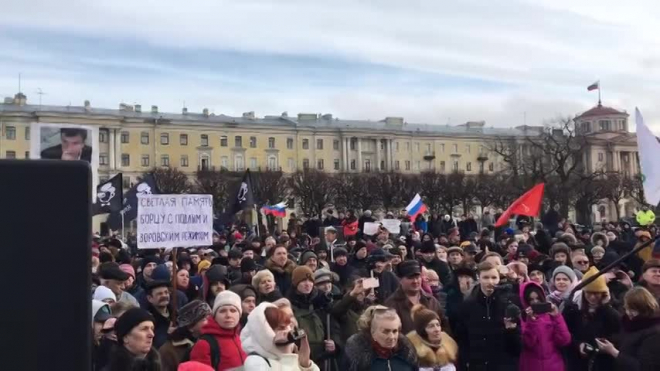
x=312, y=227
x=161, y=326
x=484, y=342
x=123, y=360
x=388, y=283
x=441, y=268
x=344, y=272
x=466, y=227
x=638, y=345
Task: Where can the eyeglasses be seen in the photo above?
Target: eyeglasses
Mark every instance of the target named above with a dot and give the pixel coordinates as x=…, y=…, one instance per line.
x=582, y=262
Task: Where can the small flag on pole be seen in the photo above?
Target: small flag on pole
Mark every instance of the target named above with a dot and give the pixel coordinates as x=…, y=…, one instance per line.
x=528, y=204
x=649, y=148
x=594, y=86
x=278, y=210
x=415, y=207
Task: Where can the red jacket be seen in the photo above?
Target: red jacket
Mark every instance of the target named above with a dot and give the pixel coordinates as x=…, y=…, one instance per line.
x=350, y=228
x=229, y=342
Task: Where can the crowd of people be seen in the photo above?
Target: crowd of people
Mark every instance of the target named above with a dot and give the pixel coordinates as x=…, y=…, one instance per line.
x=441, y=295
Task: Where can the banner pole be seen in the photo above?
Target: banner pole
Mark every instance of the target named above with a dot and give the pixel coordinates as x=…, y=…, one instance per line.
x=123, y=232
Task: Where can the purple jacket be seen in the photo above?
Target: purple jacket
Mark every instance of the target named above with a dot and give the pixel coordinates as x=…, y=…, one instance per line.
x=542, y=339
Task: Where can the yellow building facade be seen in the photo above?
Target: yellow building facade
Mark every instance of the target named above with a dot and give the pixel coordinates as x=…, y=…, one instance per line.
x=133, y=140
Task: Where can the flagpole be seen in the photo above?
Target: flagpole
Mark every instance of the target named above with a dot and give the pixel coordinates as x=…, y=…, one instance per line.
x=599, y=88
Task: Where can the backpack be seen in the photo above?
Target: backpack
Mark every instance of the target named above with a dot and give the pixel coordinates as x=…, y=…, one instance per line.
x=259, y=355
x=215, y=350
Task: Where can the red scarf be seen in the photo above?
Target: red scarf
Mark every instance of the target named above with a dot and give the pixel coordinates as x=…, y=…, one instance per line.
x=382, y=352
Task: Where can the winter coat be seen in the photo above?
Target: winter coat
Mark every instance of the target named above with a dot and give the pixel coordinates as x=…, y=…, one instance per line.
x=542, y=338
x=161, y=326
x=466, y=227
x=282, y=274
x=447, y=225
x=360, y=355
x=482, y=338
x=312, y=227
x=310, y=319
x=388, y=284
x=585, y=328
x=123, y=360
x=441, y=268
x=361, y=265
x=638, y=345
x=257, y=339
x=345, y=273
x=487, y=220
x=429, y=356
x=347, y=311
x=173, y=351
x=229, y=342
x=421, y=226
x=399, y=301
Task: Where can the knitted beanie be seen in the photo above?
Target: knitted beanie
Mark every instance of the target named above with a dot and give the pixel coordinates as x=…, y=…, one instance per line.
x=192, y=313
x=421, y=317
x=322, y=276
x=227, y=298
x=301, y=273
x=306, y=255
x=129, y=320
x=103, y=293
x=568, y=271
x=128, y=269
x=599, y=285
x=256, y=280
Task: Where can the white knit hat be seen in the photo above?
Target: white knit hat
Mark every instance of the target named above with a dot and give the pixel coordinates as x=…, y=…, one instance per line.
x=227, y=298
x=103, y=293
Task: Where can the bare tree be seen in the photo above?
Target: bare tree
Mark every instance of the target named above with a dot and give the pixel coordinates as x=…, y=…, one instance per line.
x=217, y=184
x=431, y=188
x=170, y=180
x=314, y=190
x=396, y=189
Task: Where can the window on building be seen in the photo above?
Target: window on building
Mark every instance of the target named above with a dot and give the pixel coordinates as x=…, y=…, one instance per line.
x=305, y=163
x=126, y=180
x=442, y=166
x=27, y=154
x=396, y=165
x=417, y=165
x=468, y=166
x=253, y=163
x=336, y=164
x=305, y=144
x=455, y=148
x=335, y=145
x=238, y=142
x=223, y=141
x=455, y=166
x=442, y=147
x=10, y=155
x=428, y=147
x=272, y=163
x=183, y=139
x=491, y=167
x=396, y=146
x=482, y=167
x=224, y=162
x=407, y=146
x=10, y=133
x=253, y=142
x=352, y=164
x=204, y=140
x=164, y=139
x=204, y=162
x=586, y=126
x=367, y=165
x=165, y=160
x=416, y=146
x=601, y=156
x=407, y=165
x=184, y=161
x=289, y=143
x=103, y=159
x=319, y=164
x=125, y=137
x=271, y=142
x=145, y=161
x=382, y=165
x=605, y=125
x=353, y=144
x=239, y=164
x=103, y=135
x=144, y=138
x=382, y=144
x=292, y=164
x=27, y=133
x=319, y=144
x=125, y=160
x=468, y=148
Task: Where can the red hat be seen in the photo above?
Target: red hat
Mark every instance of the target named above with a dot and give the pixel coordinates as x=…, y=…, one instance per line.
x=194, y=366
x=238, y=235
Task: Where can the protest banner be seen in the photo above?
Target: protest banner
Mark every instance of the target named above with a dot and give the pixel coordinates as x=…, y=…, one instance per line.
x=392, y=225
x=174, y=221
x=371, y=229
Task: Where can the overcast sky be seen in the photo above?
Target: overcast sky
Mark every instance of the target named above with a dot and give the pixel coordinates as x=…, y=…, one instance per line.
x=439, y=62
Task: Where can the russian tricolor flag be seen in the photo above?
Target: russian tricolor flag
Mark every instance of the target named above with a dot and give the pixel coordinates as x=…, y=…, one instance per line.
x=415, y=207
x=278, y=210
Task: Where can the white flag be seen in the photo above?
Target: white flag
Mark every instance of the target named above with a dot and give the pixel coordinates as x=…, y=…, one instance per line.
x=649, y=150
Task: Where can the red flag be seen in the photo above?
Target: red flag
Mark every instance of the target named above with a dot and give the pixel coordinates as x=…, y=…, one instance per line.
x=528, y=204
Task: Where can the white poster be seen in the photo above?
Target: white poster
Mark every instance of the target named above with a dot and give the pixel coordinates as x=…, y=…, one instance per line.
x=68, y=142
x=371, y=229
x=392, y=225
x=174, y=221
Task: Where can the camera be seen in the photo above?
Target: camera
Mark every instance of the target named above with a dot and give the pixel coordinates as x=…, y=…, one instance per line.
x=590, y=349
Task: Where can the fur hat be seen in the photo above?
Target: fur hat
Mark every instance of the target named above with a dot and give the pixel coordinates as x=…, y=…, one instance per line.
x=301, y=273
x=599, y=236
x=597, y=249
x=566, y=271
x=421, y=317
x=599, y=285
x=653, y=263
x=129, y=320
x=192, y=313
x=560, y=247
x=248, y=265
x=225, y=298
x=256, y=280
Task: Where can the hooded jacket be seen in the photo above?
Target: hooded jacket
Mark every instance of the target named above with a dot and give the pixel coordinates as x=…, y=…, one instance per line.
x=542, y=337
x=257, y=339
x=229, y=342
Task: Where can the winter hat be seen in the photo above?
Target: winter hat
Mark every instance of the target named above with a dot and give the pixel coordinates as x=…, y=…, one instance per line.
x=194, y=366
x=248, y=265
x=535, y=267
x=427, y=247
x=149, y=259
x=244, y=291
x=129, y=320
x=192, y=313
x=306, y=255
x=653, y=263
x=599, y=236
x=161, y=277
x=256, y=280
x=227, y=298
x=566, y=271
x=455, y=249
x=409, y=268
x=300, y=274
x=559, y=247
x=111, y=271
x=235, y=254
x=322, y=276
x=596, y=249
x=203, y=265
x=127, y=268
x=217, y=273
x=379, y=254
x=421, y=317
x=103, y=293
x=568, y=239
x=100, y=312
x=339, y=251
x=599, y=285
x=466, y=269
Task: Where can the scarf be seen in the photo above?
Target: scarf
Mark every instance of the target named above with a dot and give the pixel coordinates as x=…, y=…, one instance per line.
x=382, y=352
